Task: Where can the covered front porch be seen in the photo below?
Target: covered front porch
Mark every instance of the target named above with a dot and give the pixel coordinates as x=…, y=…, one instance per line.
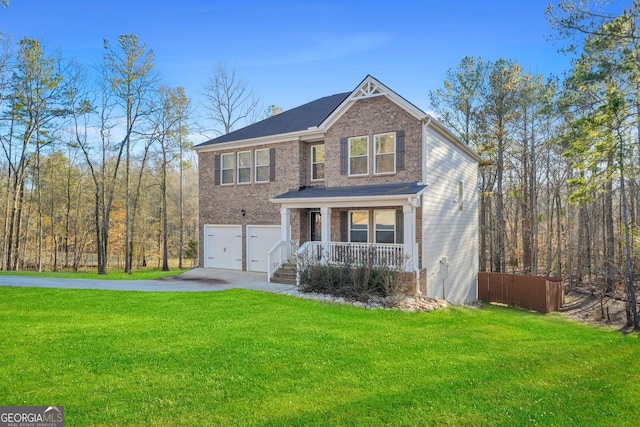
x=373, y=225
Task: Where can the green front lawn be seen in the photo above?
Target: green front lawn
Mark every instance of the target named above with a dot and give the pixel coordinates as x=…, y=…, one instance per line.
x=250, y=358
x=141, y=274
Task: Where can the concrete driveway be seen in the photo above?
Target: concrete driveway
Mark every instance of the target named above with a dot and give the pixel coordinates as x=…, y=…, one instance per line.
x=195, y=280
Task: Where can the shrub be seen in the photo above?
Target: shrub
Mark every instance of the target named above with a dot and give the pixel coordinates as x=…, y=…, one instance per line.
x=349, y=280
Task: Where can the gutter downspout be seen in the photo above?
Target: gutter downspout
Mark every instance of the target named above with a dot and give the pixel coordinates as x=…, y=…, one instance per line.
x=426, y=124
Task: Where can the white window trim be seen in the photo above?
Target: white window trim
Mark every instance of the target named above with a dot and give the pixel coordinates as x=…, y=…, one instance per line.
x=238, y=168
x=222, y=169
x=316, y=163
x=375, y=225
x=368, y=224
x=366, y=137
x=375, y=154
x=255, y=169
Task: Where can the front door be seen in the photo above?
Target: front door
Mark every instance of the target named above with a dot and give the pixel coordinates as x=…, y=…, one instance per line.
x=316, y=226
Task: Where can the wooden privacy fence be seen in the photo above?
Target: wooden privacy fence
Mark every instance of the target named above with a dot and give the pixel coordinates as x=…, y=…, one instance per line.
x=533, y=293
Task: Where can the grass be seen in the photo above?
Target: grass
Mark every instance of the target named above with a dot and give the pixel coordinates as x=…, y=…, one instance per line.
x=142, y=274
x=249, y=358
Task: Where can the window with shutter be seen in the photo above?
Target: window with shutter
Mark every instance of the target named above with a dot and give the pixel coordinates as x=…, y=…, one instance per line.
x=344, y=156
x=385, y=226
x=359, y=226
x=216, y=169
x=359, y=155
x=385, y=153
x=262, y=162
x=272, y=164
x=344, y=226
x=399, y=226
x=400, y=150
x=244, y=167
x=227, y=162
x=317, y=162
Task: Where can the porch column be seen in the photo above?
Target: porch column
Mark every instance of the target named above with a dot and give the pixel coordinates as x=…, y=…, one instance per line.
x=325, y=230
x=409, y=212
x=285, y=224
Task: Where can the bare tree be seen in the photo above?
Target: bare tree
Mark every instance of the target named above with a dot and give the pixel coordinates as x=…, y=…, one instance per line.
x=34, y=103
x=229, y=100
x=168, y=132
x=129, y=70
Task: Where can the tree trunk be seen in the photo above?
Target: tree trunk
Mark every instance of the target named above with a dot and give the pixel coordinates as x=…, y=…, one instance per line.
x=181, y=207
x=128, y=253
x=500, y=261
x=558, y=203
x=631, y=306
x=165, y=218
x=609, y=249
x=483, y=232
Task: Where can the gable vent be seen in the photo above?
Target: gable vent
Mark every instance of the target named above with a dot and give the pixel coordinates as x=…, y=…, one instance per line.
x=368, y=90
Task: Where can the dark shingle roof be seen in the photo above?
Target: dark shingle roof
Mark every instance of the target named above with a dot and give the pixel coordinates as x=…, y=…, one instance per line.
x=403, y=189
x=297, y=119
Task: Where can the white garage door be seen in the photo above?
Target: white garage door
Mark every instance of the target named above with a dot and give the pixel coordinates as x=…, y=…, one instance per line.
x=223, y=246
x=260, y=240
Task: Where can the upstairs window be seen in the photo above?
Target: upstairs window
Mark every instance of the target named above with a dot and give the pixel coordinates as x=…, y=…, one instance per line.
x=317, y=162
x=244, y=167
x=359, y=155
x=227, y=168
x=385, y=153
x=263, y=170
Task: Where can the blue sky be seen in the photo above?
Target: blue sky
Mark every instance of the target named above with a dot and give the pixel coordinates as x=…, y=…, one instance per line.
x=295, y=51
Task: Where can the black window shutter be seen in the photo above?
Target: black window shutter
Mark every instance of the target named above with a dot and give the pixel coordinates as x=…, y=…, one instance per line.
x=216, y=170
x=399, y=226
x=344, y=157
x=272, y=164
x=400, y=150
x=344, y=226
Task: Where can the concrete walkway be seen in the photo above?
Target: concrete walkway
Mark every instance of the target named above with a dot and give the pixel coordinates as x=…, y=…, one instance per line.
x=195, y=280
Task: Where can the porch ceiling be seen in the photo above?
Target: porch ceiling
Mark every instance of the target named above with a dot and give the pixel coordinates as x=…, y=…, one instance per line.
x=365, y=195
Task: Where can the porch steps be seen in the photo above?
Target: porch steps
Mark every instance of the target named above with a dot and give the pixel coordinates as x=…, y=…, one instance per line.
x=285, y=274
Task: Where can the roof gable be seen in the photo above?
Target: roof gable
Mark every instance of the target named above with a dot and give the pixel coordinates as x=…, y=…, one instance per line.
x=370, y=87
x=318, y=115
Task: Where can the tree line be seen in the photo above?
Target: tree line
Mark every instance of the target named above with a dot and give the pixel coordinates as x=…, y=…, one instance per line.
x=96, y=162
x=559, y=192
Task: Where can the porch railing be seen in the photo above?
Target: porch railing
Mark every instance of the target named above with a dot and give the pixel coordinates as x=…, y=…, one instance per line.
x=387, y=254
x=281, y=253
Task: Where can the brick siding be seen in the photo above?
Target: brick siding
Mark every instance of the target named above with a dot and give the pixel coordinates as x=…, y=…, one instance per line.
x=369, y=117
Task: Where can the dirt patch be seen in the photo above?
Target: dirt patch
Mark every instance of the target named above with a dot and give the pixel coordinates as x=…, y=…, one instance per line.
x=583, y=305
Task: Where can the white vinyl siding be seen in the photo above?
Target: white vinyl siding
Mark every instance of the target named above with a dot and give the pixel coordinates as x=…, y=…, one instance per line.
x=359, y=156
x=385, y=153
x=449, y=234
x=227, y=168
x=244, y=167
x=262, y=165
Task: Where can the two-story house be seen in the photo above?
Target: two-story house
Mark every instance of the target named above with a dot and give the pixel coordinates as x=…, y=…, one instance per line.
x=345, y=172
